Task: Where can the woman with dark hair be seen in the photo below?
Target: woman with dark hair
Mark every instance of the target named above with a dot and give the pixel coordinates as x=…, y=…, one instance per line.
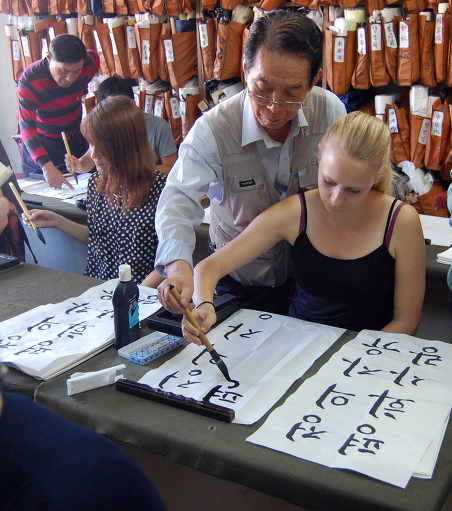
x=122, y=195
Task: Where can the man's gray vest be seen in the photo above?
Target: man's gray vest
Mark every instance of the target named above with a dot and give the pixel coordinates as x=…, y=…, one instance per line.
x=247, y=188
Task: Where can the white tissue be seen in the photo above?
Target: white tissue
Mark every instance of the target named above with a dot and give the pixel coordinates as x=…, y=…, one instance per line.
x=420, y=181
x=81, y=382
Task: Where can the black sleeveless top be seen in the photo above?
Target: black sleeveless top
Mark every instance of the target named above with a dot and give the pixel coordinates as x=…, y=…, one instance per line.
x=355, y=294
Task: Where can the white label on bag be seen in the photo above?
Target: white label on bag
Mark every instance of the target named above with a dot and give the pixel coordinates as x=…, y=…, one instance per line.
x=148, y=102
x=113, y=44
x=203, y=37
x=423, y=133
x=25, y=47
x=437, y=123
x=131, y=39
x=375, y=34
x=158, y=107
x=51, y=33
x=391, y=39
x=97, y=41
x=175, y=112
x=15, y=50
x=169, y=50
x=44, y=49
x=182, y=110
x=404, y=35
x=339, y=49
x=439, y=29
x=362, y=45
x=145, y=51
x=392, y=121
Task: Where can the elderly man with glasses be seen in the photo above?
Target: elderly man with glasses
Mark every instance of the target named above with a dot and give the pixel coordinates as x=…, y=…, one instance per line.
x=246, y=154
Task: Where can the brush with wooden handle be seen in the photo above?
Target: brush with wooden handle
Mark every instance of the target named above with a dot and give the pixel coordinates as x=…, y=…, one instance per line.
x=27, y=212
x=215, y=357
x=68, y=151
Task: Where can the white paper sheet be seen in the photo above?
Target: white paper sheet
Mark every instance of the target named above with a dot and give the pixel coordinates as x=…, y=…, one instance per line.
x=445, y=257
x=375, y=407
x=65, y=192
x=437, y=229
x=54, y=337
x=264, y=354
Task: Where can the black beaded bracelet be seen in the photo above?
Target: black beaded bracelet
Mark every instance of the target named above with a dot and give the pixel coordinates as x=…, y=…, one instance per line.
x=206, y=301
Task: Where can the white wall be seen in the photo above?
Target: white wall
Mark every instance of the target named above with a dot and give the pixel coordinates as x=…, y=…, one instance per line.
x=8, y=98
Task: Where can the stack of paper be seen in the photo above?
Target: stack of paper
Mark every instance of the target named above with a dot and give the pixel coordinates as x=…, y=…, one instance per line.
x=445, y=257
x=379, y=406
x=52, y=338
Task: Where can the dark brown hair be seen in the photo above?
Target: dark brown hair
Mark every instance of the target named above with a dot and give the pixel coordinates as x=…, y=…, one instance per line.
x=67, y=48
x=117, y=128
x=287, y=32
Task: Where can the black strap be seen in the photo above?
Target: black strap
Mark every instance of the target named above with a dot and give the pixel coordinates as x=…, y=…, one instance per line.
x=388, y=221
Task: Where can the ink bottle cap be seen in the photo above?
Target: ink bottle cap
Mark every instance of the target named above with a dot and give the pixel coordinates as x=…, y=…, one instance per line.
x=125, y=272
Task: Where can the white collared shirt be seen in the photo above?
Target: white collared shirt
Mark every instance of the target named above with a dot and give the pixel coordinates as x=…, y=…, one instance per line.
x=198, y=172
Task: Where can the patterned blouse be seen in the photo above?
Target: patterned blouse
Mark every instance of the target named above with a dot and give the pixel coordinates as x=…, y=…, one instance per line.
x=117, y=237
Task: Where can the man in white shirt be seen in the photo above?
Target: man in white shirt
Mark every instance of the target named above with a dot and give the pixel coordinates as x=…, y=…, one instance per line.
x=246, y=154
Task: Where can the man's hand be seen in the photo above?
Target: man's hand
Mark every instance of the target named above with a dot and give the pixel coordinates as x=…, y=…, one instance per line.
x=180, y=275
x=54, y=177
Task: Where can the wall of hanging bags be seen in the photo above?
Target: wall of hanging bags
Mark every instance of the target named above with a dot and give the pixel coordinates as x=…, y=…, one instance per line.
x=169, y=49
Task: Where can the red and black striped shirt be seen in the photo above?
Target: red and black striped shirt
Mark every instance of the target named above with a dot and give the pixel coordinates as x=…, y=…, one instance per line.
x=47, y=109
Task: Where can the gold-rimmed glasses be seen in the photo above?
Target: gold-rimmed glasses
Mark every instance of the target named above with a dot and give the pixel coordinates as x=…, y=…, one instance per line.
x=287, y=105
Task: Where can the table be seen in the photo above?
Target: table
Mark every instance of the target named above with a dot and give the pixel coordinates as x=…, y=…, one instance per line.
x=204, y=444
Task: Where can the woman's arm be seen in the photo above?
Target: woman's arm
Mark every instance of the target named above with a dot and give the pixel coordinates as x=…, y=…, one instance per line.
x=4, y=210
x=46, y=219
x=167, y=163
x=277, y=223
x=408, y=248
x=84, y=164
x=152, y=280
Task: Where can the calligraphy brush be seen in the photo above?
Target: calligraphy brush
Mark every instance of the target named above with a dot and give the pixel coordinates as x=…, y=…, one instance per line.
x=27, y=212
x=68, y=150
x=215, y=357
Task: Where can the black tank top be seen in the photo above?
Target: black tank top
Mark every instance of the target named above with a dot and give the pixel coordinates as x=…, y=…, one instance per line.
x=355, y=294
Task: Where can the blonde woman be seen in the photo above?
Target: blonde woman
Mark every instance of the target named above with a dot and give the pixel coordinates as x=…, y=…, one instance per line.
x=358, y=255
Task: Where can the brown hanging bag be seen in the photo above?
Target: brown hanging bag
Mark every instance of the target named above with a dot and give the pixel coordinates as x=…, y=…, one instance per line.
x=442, y=39
x=207, y=45
x=427, y=52
x=181, y=58
x=437, y=141
x=419, y=132
x=408, y=69
x=361, y=75
x=229, y=50
x=378, y=74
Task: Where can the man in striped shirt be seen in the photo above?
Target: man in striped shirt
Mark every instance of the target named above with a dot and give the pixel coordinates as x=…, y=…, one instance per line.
x=50, y=101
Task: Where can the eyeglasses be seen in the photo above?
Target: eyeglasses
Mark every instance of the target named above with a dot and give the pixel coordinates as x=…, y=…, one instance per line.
x=287, y=105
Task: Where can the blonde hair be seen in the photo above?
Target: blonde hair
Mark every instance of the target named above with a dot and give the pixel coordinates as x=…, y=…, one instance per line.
x=366, y=139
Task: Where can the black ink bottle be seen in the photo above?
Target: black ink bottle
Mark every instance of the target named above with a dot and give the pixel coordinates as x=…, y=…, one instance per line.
x=125, y=308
